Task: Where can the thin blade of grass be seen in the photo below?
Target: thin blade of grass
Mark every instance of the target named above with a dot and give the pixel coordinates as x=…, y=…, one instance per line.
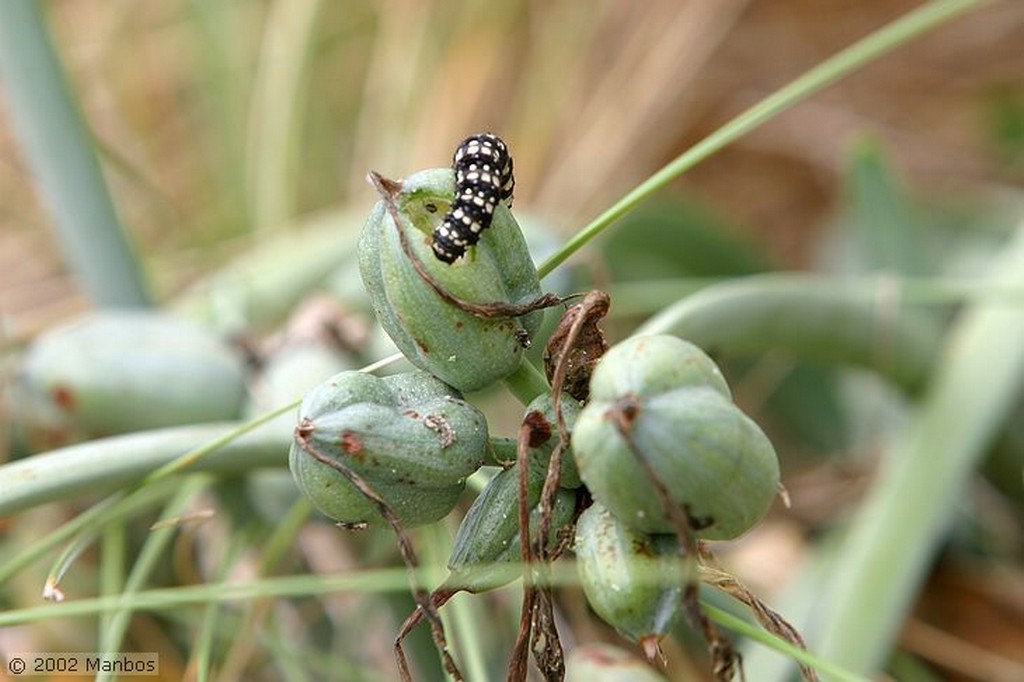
x=113, y=546
x=118, y=619
x=861, y=53
x=113, y=508
x=204, y=645
x=758, y=634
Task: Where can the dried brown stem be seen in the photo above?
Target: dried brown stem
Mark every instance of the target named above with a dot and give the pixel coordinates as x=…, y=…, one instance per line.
x=769, y=619
x=724, y=659
x=575, y=346
x=519, y=659
x=422, y=597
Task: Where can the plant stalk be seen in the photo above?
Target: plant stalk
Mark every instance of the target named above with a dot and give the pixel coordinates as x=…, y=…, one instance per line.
x=61, y=156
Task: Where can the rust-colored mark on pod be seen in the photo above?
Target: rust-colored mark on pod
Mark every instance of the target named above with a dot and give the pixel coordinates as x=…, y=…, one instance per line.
x=63, y=397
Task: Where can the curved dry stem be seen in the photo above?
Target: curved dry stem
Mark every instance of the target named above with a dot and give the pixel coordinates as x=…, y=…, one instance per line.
x=422, y=597
x=518, y=660
x=769, y=619
x=724, y=659
x=484, y=311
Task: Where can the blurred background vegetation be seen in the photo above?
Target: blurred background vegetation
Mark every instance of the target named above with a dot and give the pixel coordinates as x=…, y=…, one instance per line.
x=226, y=126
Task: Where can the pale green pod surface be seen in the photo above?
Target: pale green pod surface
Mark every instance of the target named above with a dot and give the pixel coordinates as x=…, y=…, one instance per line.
x=633, y=580
x=541, y=414
x=486, y=551
x=413, y=439
x=463, y=350
x=336, y=498
x=114, y=372
x=648, y=365
x=676, y=412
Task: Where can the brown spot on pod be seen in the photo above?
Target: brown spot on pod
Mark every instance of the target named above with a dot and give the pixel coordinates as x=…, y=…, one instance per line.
x=64, y=397
x=540, y=428
x=624, y=411
x=351, y=443
x=643, y=548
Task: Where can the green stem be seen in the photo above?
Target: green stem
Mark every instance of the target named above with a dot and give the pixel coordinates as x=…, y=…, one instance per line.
x=819, y=318
x=112, y=463
x=526, y=383
x=753, y=632
x=112, y=562
x=62, y=159
x=502, y=451
x=864, y=51
x=648, y=296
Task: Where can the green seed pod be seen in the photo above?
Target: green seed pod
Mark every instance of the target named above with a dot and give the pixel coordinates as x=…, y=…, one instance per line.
x=115, y=372
x=409, y=436
x=649, y=365
x=633, y=580
x=540, y=414
x=486, y=550
x=454, y=345
x=669, y=399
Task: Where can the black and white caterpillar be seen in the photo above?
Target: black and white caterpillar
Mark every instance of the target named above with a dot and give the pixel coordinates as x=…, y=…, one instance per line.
x=483, y=177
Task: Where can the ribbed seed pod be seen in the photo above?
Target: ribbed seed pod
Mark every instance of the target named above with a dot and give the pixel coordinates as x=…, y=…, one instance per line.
x=409, y=436
x=454, y=345
x=633, y=580
x=662, y=398
x=486, y=553
x=114, y=372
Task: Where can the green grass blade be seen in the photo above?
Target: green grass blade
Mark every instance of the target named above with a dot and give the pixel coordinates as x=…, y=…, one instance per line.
x=360, y=582
x=204, y=644
x=113, y=546
x=885, y=556
x=762, y=636
x=147, y=561
x=864, y=51
x=115, y=507
x=61, y=156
